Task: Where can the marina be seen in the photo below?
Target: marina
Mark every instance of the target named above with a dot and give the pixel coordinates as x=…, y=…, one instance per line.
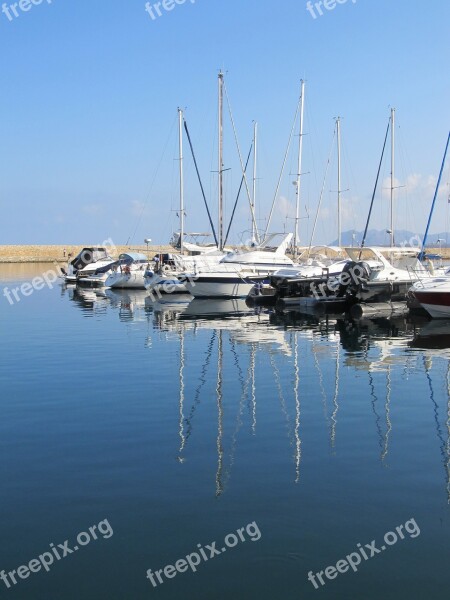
x=224, y=301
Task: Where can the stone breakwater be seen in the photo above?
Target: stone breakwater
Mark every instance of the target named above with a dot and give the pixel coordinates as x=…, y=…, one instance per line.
x=50, y=254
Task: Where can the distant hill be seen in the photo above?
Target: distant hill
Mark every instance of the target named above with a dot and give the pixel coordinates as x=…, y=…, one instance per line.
x=402, y=237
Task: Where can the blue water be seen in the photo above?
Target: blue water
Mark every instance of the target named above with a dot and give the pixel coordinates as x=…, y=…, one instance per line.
x=179, y=424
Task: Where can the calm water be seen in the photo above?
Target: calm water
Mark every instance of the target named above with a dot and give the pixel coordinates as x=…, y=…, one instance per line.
x=180, y=424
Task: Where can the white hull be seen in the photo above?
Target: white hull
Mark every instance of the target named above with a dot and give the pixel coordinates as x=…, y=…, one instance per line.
x=224, y=289
x=434, y=296
x=133, y=280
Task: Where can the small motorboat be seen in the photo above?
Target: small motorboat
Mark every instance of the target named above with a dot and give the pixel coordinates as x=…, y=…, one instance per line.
x=85, y=264
x=434, y=296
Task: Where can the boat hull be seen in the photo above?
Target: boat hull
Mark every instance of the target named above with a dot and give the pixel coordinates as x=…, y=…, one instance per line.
x=217, y=287
x=437, y=304
x=133, y=280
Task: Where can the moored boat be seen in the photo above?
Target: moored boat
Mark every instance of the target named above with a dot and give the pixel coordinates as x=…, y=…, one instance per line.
x=128, y=272
x=233, y=283
x=434, y=296
x=85, y=264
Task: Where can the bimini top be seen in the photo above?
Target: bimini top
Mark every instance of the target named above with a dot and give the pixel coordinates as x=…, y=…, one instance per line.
x=132, y=257
x=126, y=258
x=89, y=255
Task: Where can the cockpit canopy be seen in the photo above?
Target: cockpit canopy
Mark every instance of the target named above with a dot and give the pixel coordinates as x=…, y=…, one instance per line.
x=88, y=256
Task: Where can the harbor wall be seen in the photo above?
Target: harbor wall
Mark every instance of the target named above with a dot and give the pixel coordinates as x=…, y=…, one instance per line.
x=51, y=254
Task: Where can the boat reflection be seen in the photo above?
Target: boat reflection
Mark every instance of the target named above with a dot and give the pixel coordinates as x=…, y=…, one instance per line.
x=433, y=338
x=133, y=305
x=244, y=357
x=92, y=302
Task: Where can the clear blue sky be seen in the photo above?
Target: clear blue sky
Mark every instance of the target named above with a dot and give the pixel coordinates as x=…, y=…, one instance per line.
x=90, y=90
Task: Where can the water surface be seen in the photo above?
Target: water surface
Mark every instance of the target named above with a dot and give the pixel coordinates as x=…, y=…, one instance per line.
x=182, y=422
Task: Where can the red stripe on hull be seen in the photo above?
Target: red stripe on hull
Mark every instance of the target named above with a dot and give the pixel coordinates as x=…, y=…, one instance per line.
x=433, y=298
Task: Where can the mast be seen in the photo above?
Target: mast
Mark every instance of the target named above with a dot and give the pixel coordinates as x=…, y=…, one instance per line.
x=180, y=141
x=338, y=135
x=255, y=138
x=220, y=160
x=299, y=169
x=392, y=172
x=363, y=241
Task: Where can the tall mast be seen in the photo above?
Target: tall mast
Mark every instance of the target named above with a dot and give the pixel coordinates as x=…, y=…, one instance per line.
x=220, y=160
x=255, y=138
x=392, y=172
x=338, y=135
x=299, y=169
x=180, y=138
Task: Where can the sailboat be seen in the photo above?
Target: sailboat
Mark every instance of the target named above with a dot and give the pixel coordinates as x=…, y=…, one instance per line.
x=237, y=272
x=165, y=278
x=434, y=295
x=293, y=284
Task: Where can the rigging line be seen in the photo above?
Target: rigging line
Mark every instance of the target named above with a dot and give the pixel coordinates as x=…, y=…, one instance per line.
x=447, y=204
x=400, y=160
x=282, y=170
x=237, y=198
x=252, y=211
x=422, y=252
x=363, y=241
x=321, y=194
x=311, y=139
x=406, y=165
x=350, y=178
x=131, y=237
x=174, y=188
x=201, y=184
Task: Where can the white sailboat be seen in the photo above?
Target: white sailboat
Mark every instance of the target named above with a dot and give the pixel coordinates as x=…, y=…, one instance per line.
x=237, y=272
x=165, y=279
x=128, y=272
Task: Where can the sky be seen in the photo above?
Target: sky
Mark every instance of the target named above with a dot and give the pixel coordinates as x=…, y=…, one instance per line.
x=88, y=114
